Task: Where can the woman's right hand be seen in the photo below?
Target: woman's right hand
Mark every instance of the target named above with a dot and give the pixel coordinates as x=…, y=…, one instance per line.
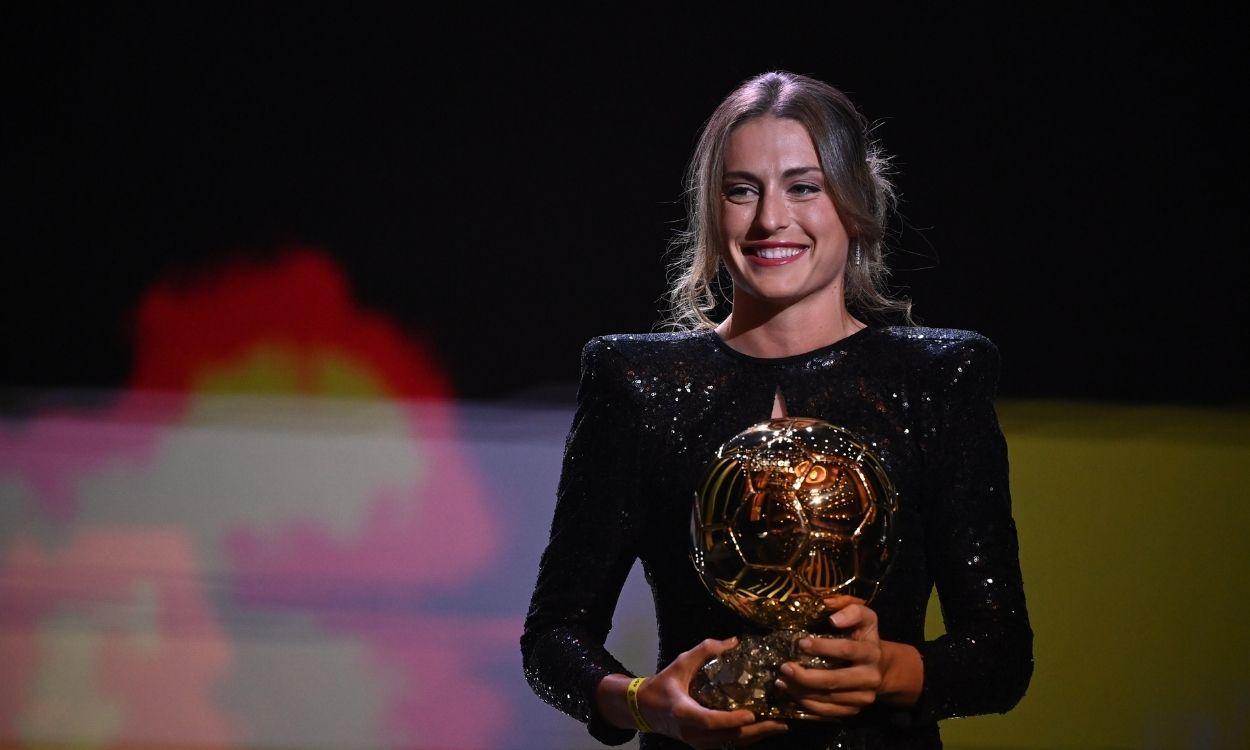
x=666, y=704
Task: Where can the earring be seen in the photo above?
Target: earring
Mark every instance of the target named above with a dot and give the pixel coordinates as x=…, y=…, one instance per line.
x=857, y=253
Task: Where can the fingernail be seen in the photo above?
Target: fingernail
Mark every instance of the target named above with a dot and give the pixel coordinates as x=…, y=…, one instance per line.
x=805, y=643
x=733, y=641
x=787, y=670
x=779, y=684
x=836, y=615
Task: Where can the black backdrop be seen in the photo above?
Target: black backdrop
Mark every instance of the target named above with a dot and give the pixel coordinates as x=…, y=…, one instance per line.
x=1071, y=180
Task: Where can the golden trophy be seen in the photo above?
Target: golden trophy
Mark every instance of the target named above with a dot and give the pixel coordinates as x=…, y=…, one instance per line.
x=789, y=511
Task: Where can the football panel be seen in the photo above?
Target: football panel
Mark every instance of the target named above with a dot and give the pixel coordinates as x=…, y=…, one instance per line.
x=721, y=491
x=770, y=528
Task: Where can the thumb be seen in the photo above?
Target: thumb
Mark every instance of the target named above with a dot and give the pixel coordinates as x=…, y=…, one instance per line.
x=699, y=655
x=840, y=601
x=859, y=619
x=719, y=647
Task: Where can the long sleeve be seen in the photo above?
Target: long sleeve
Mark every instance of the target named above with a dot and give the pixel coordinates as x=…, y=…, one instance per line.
x=592, y=547
x=984, y=662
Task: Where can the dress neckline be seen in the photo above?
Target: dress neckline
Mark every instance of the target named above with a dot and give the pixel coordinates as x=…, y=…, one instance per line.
x=791, y=358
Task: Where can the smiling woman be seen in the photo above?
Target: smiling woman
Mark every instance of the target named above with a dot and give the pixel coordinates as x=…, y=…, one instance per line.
x=788, y=195
x=778, y=212
x=819, y=141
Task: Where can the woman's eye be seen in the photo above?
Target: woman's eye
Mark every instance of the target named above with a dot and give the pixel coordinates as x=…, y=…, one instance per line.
x=739, y=192
x=804, y=188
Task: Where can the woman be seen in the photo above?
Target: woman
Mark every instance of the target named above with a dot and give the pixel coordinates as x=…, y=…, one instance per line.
x=788, y=195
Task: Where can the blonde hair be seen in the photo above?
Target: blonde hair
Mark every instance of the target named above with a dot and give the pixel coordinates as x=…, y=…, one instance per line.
x=855, y=171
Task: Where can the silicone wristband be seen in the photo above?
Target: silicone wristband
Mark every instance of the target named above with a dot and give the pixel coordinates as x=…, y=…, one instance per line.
x=631, y=695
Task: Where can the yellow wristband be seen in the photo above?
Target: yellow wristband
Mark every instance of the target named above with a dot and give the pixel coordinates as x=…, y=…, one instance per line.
x=632, y=696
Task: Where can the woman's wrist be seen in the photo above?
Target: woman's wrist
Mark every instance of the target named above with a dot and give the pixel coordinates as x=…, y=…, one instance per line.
x=611, y=696
x=635, y=710
x=902, y=674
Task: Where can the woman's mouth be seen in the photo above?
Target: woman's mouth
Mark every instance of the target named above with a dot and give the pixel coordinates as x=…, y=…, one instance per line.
x=773, y=255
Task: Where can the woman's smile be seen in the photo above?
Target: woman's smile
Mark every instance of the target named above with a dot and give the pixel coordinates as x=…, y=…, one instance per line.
x=773, y=253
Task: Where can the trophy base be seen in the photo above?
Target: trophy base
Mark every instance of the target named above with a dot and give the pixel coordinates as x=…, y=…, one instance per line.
x=745, y=675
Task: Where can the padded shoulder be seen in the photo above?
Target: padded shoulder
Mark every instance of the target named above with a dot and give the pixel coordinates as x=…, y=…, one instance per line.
x=637, y=348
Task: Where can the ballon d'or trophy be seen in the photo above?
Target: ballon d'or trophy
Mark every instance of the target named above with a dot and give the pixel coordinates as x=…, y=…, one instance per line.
x=789, y=511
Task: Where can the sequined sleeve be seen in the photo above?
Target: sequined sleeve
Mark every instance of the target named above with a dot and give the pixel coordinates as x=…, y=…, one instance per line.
x=984, y=662
x=590, y=551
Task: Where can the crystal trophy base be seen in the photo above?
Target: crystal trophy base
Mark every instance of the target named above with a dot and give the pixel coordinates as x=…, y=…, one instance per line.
x=744, y=676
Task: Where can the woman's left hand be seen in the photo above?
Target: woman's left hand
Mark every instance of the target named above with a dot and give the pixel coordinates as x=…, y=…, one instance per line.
x=844, y=691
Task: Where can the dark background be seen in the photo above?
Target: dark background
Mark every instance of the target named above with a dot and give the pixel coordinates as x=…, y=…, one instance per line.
x=1071, y=180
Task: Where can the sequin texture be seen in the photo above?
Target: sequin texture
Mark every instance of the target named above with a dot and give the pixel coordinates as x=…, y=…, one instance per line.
x=653, y=408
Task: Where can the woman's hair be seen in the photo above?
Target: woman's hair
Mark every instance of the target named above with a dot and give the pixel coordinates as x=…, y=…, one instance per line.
x=855, y=171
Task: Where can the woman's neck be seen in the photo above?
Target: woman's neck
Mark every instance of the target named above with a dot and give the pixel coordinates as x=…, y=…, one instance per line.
x=762, y=331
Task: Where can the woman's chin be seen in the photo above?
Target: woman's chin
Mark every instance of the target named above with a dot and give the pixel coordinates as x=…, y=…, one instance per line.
x=775, y=296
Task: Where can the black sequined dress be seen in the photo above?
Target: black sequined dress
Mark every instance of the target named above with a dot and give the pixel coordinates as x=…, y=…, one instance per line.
x=651, y=411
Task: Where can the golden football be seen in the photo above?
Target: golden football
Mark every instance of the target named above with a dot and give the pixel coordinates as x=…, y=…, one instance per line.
x=788, y=512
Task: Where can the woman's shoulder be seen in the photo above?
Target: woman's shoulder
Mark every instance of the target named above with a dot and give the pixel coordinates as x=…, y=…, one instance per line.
x=951, y=359
x=637, y=348
x=936, y=345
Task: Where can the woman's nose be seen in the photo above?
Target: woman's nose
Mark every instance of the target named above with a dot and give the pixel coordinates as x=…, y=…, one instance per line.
x=773, y=214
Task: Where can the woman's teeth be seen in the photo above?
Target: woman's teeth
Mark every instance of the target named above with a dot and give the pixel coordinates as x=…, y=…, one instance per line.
x=774, y=253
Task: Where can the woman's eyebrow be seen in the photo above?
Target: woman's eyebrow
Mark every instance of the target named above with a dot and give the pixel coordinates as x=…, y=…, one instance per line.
x=791, y=172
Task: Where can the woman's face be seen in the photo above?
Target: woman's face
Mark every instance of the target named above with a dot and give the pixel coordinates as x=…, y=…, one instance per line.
x=783, y=239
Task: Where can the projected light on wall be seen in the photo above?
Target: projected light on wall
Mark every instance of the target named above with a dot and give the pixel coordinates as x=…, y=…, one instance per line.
x=242, y=547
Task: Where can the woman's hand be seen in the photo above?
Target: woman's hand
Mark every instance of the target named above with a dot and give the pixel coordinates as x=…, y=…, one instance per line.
x=668, y=708
x=844, y=691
